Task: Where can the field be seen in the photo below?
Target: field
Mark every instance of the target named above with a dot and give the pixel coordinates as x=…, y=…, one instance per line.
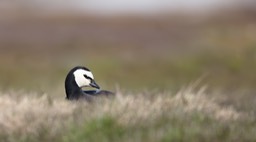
x=185, y=116
x=177, y=77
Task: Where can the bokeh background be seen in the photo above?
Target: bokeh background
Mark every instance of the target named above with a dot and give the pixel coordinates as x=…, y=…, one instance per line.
x=182, y=70
x=136, y=45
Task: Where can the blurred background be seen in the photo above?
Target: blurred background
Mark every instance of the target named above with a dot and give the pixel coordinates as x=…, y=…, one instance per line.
x=134, y=44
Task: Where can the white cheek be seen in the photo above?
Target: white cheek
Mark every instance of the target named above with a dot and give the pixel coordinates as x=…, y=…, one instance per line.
x=81, y=81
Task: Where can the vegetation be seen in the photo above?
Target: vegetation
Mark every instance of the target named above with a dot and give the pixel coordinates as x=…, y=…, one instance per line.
x=185, y=116
x=149, y=62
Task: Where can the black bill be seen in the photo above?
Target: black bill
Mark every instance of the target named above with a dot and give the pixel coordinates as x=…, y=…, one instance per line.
x=94, y=84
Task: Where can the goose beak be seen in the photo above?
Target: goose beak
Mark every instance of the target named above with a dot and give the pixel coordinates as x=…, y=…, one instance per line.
x=94, y=84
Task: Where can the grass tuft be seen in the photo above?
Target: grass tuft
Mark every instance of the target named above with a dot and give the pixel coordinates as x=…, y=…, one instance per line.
x=188, y=115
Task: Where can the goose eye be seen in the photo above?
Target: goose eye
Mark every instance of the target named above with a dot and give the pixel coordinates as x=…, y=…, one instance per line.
x=87, y=77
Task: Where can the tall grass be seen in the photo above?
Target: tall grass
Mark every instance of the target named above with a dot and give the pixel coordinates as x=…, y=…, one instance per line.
x=189, y=114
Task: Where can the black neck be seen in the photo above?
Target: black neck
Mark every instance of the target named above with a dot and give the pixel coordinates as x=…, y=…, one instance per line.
x=72, y=89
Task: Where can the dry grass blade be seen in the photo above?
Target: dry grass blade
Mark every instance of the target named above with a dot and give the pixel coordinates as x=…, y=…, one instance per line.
x=28, y=115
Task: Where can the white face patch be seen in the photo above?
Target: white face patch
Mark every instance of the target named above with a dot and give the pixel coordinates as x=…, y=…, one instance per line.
x=81, y=81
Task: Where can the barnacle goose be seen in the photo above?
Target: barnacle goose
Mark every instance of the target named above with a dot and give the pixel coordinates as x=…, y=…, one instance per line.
x=80, y=77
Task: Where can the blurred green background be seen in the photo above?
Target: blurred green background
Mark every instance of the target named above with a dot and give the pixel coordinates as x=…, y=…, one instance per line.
x=148, y=51
x=135, y=52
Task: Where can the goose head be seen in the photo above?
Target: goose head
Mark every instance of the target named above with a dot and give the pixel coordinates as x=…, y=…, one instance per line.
x=77, y=78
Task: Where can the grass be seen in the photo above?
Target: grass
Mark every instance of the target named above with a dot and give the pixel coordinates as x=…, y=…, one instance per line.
x=188, y=115
x=221, y=68
x=151, y=60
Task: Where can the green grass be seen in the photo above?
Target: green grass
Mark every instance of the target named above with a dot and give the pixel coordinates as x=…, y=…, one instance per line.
x=99, y=129
x=220, y=70
x=185, y=116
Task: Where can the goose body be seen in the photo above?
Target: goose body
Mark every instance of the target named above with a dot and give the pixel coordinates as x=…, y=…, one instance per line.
x=80, y=77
